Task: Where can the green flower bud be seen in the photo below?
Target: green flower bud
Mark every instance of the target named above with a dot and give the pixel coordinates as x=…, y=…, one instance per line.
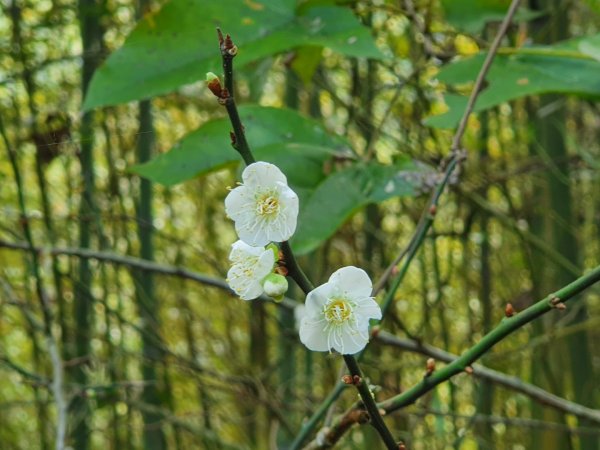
x=275, y=286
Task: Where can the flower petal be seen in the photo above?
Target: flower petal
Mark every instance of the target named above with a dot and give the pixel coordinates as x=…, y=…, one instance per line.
x=252, y=232
x=352, y=341
x=239, y=203
x=241, y=251
x=317, y=299
x=265, y=264
x=352, y=283
x=262, y=174
x=246, y=287
x=312, y=335
x=368, y=308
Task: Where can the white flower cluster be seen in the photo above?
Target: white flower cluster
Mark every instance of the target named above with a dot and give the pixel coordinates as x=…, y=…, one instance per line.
x=265, y=210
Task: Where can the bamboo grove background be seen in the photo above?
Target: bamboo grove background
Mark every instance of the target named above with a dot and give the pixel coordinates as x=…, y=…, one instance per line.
x=164, y=358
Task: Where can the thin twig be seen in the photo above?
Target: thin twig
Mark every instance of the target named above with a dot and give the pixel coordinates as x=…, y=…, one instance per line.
x=57, y=388
x=502, y=379
x=369, y=402
x=136, y=263
x=463, y=363
x=507, y=326
x=455, y=153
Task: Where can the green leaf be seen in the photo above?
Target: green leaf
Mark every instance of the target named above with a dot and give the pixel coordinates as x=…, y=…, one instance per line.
x=178, y=45
x=209, y=148
x=345, y=192
x=591, y=47
x=306, y=61
x=516, y=73
x=472, y=15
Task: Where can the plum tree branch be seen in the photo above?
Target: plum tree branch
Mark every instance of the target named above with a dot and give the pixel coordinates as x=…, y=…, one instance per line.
x=226, y=96
x=463, y=363
x=511, y=382
x=507, y=326
x=239, y=142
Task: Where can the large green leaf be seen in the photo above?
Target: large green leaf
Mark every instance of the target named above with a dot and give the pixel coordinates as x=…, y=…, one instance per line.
x=177, y=45
x=208, y=148
x=472, y=15
x=567, y=68
x=345, y=192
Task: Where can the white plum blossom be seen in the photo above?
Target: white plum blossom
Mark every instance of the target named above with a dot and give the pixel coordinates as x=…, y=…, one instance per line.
x=337, y=313
x=250, y=266
x=263, y=207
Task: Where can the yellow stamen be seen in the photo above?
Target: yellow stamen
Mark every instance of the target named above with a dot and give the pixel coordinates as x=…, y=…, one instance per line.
x=267, y=206
x=337, y=311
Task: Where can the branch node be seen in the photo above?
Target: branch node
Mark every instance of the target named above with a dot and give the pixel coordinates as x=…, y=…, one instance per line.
x=469, y=370
x=555, y=300
x=347, y=379
x=363, y=417
x=560, y=306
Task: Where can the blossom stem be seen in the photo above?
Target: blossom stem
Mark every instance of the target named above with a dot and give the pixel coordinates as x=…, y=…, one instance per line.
x=239, y=143
x=369, y=402
x=294, y=269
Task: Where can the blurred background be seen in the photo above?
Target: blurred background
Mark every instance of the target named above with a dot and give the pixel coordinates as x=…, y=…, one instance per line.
x=116, y=327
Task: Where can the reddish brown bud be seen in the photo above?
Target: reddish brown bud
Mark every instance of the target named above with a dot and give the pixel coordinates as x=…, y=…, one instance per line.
x=232, y=137
x=509, y=311
x=469, y=370
x=347, y=379
x=555, y=300
x=560, y=306
x=228, y=43
x=401, y=446
x=282, y=270
x=375, y=331
x=429, y=367
x=433, y=210
x=356, y=380
x=214, y=84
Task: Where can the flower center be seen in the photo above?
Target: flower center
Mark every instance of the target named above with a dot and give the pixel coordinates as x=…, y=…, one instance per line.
x=337, y=311
x=267, y=205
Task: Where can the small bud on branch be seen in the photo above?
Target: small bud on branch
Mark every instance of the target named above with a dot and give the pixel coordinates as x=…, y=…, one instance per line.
x=509, y=310
x=429, y=367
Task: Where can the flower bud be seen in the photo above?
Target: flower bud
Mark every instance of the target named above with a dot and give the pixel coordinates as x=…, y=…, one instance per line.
x=214, y=84
x=275, y=286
